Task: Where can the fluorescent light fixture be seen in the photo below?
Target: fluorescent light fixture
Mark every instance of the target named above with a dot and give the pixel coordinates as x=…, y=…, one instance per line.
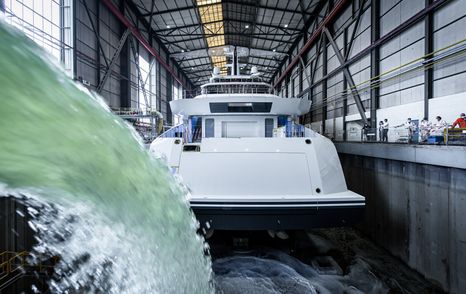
x=211, y=18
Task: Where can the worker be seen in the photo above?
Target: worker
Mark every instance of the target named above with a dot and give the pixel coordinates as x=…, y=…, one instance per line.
x=438, y=127
x=425, y=128
x=365, y=130
x=410, y=127
x=385, y=127
x=460, y=122
x=380, y=130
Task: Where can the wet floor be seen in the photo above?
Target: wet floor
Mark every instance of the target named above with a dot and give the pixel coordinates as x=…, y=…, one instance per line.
x=318, y=261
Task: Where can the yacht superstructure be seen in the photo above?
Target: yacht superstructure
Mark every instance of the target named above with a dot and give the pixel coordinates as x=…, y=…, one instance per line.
x=248, y=165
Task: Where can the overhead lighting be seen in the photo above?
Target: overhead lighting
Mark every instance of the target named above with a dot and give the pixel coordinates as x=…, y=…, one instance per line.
x=286, y=25
x=182, y=50
x=274, y=50
x=246, y=26
x=211, y=18
x=168, y=26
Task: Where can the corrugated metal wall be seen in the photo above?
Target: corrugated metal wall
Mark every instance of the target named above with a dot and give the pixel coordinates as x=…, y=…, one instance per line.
x=90, y=64
x=332, y=109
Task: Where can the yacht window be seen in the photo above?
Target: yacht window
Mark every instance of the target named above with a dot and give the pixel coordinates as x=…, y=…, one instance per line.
x=269, y=127
x=196, y=132
x=220, y=107
x=209, y=128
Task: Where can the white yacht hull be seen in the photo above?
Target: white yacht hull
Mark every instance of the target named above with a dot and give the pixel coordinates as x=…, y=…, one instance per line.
x=263, y=183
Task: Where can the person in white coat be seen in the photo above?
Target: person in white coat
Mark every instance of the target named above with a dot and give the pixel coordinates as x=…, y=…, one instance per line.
x=410, y=127
x=438, y=127
x=385, y=127
x=424, y=129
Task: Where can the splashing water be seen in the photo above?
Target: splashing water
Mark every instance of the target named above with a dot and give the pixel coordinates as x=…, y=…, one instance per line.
x=115, y=216
x=274, y=272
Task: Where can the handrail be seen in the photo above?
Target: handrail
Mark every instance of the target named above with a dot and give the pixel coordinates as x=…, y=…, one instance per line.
x=170, y=130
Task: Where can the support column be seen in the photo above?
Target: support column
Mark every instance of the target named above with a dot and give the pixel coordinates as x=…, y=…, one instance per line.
x=159, y=89
x=428, y=48
x=169, y=118
x=97, y=33
x=375, y=60
x=125, y=67
x=75, y=61
x=345, y=85
x=349, y=77
x=324, y=83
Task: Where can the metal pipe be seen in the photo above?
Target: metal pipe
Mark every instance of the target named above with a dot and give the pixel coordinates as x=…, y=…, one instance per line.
x=140, y=38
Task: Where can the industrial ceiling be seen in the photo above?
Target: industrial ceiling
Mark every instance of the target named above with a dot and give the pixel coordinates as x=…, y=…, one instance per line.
x=198, y=32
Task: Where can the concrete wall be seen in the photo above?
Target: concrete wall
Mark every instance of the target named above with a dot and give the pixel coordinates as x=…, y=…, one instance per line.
x=415, y=211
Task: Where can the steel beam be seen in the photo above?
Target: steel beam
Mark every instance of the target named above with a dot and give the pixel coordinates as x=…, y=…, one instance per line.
x=324, y=84
x=138, y=69
x=225, y=20
x=303, y=12
x=345, y=86
x=202, y=36
x=316, y=60
x=125, y=65
x=349, y=78
x=375, y=60
x=224, y=2
x=390, y=35
x=75, y=59
x=113, y=60
x=355, y=28
x=141, y=38
x=332, y=14
x=428, y=48
x=95, y=31
x=152, y=6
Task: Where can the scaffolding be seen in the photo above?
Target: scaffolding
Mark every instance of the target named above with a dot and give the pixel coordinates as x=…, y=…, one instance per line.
x=146, y=121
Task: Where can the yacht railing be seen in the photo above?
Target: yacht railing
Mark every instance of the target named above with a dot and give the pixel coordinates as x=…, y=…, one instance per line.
x=294, y=130
x=174, y=132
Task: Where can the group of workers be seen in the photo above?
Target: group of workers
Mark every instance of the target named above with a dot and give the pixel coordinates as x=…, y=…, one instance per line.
x=426, y=128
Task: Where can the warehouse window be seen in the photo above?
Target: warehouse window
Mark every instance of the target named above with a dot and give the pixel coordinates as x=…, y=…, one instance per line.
x=48, y=23
x=143, y=94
